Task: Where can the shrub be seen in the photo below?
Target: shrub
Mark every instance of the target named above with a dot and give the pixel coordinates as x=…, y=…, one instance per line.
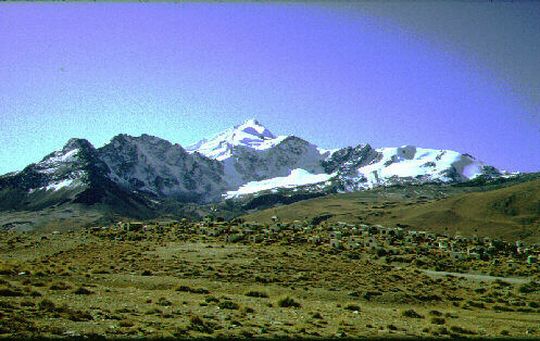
x=83, y=291
x=198, y=324
x=249, y=310
x=126, y=324
x=27, y=304
x=529, y=287
x=153, y=311
x=435, y=313
x=428, y=298
x=146, y=273
x=259, y=294
x=502, y=283
x=381, y=252
x=317, y=315
x=185, y=288
x=77, y=315
x=200, y=291
x=476, y=304
x=461, y=330
x=6, y=305
x=211, y=299
x=443, y=331
x=10, y=292
x=60, y=286
x=164, y=302
x=228, y=305
x=438, y=320
x=370, y=294
x=46, y=305
x=287, y=302
x=412, y=314
x=501, y=308
x=352, y=307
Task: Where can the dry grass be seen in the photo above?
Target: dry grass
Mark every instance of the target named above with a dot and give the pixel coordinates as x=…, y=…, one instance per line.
x=239, y=290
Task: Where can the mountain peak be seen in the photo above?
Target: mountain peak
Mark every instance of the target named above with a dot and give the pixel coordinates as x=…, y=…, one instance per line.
x=251, y=134
x=253, y=127
x=77, y=143
x=252, y=121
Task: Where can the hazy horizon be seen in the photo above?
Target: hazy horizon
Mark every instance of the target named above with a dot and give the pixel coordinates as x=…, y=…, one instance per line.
x=459, y=76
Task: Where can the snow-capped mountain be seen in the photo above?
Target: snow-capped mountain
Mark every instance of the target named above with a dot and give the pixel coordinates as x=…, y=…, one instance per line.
x=364, y=167
x=250, y=152
x=250, y=134
x=245, y=159
x=75, y=174
x=255, y=159
x=66, y=168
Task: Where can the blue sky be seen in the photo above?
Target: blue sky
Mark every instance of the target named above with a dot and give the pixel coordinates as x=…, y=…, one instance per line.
x=452, y=75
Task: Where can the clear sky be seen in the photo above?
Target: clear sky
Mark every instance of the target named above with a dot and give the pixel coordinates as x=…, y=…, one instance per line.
x=453, y=75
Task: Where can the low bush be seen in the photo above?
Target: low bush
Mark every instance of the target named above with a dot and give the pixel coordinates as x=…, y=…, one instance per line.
x=438, y=320
x=259, y=294
x=126, y=324
x=46, y=305
x=228, y=305
x=60, y=286
x=435, y=313
x=461, y=330
x=83, y=291
x=412, y=314
x=77, y=315
x=8, y=292
x=249, y=310
x=211, y=299
x=501, y=308
x=352, y=307
x=185, y=288
x=476, y=304
x=526, y=288
x=164, y=302
x=317, y=315
x=288, y=302
x=198, y=324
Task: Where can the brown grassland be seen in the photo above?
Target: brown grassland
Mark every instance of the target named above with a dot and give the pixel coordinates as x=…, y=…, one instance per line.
x=179, y=285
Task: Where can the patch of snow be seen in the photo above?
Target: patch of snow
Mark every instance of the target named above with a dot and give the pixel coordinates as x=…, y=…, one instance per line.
x=60, y=157
x=51, y=164
x=327, y=153
x=55, y=186
x=472, y=170
x=507, y=174
x=297, y=177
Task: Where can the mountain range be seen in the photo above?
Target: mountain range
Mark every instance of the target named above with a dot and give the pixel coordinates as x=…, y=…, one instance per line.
x=141, y=173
